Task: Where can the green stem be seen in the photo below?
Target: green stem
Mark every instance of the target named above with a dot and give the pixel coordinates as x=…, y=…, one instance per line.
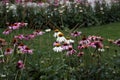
x=16, y=75
x=2, y=53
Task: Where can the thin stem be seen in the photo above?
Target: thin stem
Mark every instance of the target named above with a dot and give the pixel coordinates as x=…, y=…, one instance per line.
x=16, y=75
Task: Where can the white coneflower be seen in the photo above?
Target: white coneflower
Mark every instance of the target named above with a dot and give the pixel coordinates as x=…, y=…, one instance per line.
x=57, y=32
x=69, y=41
x=61, y=38
x=58, y=48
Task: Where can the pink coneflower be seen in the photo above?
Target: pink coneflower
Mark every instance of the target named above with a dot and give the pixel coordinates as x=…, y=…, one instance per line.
x=22, y=24
x=24, y=49
x=71, y=51
x=76, y=33
x=8, y=51
x=117, y=42
x=7, y=31
x=21, y=46
x=38, y=32
x=20, y=65
x=15, y=26
x=31, y=36
x=80, y=54
x=21, y=36
x=26, y=37
x=27, y=50
x=66, y=46
x=95, y=38
x=96, y=44
x=83, y=46
x=84, y=43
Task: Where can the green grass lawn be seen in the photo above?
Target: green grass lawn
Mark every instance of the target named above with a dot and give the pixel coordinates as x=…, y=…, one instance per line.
x=45, y=61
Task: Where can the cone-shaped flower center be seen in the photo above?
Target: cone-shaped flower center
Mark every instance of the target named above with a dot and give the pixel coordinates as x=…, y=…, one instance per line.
x=56, y=30
x=57, y=44
x=68, y=38
x=8, y=50
x=60, y=35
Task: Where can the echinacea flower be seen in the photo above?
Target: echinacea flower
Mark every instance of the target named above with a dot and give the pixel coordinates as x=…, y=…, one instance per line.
x=24, y=49
x=76, y=33
x=69, y=41
x=117, y=42
x=38, y=32
x=66, y=46
x=20, y=65
x=26, y=37
x=95, y=38
x=15, y=26
x=8, y=51
x=31, y=36
x=71, y=51
x=21, y=36
x=80, y=54
x=58, y=48
x=7, y=31
x=57, y=32
x=61, y=38
x=96, y=44
x=21, y=45
x=27, y=50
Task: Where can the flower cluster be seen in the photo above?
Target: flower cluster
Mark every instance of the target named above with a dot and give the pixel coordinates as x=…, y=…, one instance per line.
x=91, y=41
x=14, y=26
x=23, y=49
x=66, y=44
x=63, y=43
x=29, y=36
